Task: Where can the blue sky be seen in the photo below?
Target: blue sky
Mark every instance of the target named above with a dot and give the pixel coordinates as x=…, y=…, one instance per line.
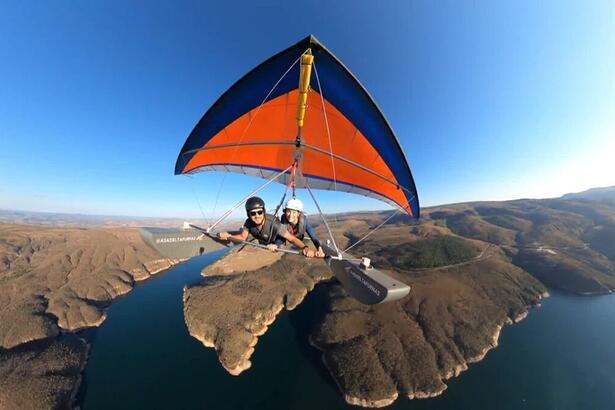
x=490, y=99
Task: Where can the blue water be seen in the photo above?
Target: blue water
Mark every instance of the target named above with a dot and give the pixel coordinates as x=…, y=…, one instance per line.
x=560, y=357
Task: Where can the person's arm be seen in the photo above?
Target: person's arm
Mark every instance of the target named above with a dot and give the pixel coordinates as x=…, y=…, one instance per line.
x=293, y=239
x=312, y=234
x=299, y=244
x=241, y=236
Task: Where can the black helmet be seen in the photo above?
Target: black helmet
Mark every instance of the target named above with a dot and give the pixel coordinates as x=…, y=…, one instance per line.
x=254, y=203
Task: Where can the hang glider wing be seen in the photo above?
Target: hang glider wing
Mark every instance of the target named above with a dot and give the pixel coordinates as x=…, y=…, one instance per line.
x=346, y=144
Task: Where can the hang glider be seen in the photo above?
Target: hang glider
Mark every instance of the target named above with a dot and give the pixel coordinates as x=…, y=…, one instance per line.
x=302, y=119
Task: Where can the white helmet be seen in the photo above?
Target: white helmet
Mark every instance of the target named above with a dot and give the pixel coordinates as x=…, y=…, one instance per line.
x=295, y=204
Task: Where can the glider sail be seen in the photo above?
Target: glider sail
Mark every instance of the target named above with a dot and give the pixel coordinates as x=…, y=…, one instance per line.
x=327, y=133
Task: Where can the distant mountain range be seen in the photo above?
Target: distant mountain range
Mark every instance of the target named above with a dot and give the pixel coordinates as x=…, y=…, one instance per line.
x=566, y=242
x=595, y=194
x=83, y=220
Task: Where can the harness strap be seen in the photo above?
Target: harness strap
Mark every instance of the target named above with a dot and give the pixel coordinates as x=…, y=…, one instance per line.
x=271, y=221
x=277, y=208
x=293, y=174
x=289, y=185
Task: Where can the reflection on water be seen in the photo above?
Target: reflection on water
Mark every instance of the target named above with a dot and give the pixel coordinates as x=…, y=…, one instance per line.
x=561, y=357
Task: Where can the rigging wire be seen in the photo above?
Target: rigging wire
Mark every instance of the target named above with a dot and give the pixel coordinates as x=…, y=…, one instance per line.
x=371, y=232
x=277, y=208
x=322, y=98
x=192, y=185
x=323, y=219
x=324, y=111
x=291, y=183
x=238, y=204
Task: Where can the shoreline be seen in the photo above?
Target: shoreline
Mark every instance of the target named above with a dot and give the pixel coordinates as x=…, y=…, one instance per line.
x=455, y=372
x=243, y=363
x=139, y=275
x=77, y=387
x=352, y=400
x=137, y=280
x=254, y=293
x=260, y=326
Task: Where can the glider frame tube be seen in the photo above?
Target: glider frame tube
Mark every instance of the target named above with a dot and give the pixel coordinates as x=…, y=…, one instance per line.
x=240, y=242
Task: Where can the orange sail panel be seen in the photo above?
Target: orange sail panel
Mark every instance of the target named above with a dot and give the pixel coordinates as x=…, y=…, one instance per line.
x=264, y=138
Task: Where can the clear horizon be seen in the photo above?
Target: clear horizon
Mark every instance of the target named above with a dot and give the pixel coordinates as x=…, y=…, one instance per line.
x=240, y=216
x=490, y=101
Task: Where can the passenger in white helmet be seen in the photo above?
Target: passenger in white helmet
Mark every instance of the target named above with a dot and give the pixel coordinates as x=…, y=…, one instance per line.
x=296, y=223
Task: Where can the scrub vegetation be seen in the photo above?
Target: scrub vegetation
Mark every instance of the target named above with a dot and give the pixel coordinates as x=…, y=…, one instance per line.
x=428, y=253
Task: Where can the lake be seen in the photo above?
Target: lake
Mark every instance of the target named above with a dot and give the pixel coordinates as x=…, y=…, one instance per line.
x=560, y=357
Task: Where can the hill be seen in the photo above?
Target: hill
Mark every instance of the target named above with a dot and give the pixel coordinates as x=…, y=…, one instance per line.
x=53, y=280
x=468, y=266
x=564, y=242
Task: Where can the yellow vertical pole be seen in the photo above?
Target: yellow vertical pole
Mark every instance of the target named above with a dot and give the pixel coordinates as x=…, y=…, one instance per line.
x=304, y=86
x=305, y=74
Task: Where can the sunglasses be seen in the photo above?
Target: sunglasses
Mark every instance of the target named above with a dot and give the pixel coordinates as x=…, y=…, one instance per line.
x=254, y=213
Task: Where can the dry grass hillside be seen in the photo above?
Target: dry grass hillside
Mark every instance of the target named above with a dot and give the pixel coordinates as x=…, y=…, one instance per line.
x=410, y=347
x=567, y=243
x=62, y=278
x=241, y=297
x=42, y=374
x=59, y=279
x=468, y=267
